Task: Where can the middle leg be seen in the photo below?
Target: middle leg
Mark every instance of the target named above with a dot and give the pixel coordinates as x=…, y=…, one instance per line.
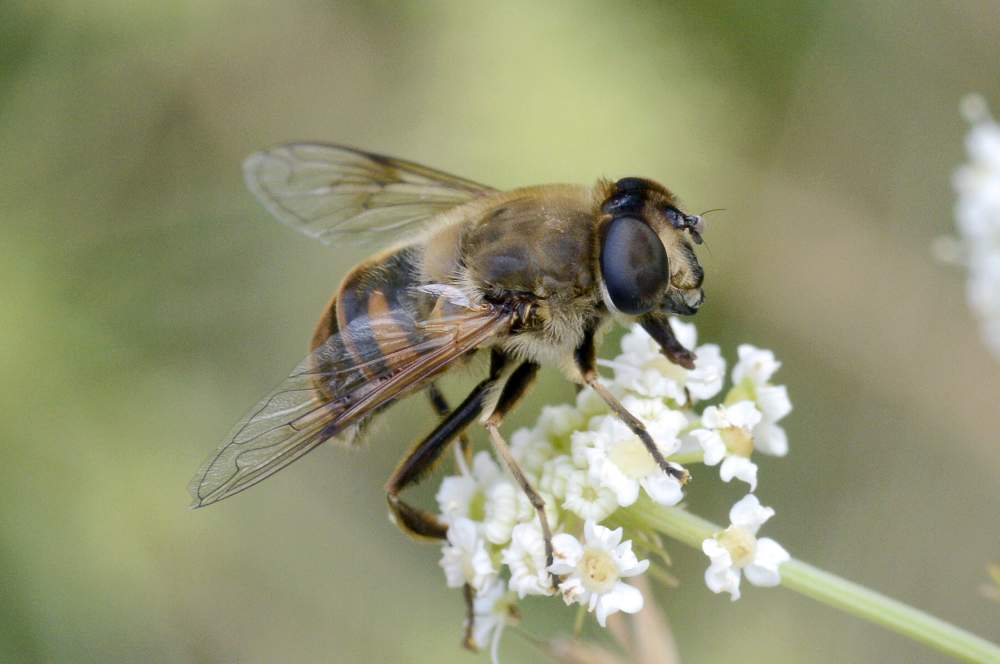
x=416, y=522
x=513, y=390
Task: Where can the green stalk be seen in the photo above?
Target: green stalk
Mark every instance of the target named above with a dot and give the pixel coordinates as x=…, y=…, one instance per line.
x=828, y=588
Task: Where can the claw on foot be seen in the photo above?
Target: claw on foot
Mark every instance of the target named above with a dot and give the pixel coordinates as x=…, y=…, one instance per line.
x=679, y=473
x=685, y=477
x=681, y=356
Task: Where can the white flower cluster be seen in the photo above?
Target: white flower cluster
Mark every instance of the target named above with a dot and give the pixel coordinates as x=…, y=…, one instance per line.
x=590, y=468
x=977, y=215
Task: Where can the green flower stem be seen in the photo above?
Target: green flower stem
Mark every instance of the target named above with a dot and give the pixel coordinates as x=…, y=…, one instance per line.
x=690, y=457
x=828, y=588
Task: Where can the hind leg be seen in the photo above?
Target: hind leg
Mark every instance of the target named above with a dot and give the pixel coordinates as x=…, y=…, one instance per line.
x=420, y=460
x=421, y=524
x=440, y=406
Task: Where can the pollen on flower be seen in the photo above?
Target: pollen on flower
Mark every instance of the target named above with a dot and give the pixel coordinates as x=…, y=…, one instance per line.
x=740, y=544
x=737, y=440
x=590, y=468
x=598, y=571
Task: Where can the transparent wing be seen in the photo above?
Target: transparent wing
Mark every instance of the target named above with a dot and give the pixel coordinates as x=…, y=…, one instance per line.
x=332, y=192
x=353, y=374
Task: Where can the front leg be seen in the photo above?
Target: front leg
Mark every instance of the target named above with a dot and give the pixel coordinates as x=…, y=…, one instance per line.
x=657, y=325
x=586, y=361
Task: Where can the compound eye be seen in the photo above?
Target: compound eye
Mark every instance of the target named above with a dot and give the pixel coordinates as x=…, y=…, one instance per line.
x=634, y=266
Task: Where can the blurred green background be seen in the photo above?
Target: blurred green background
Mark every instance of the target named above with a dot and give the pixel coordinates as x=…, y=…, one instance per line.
x=148, y=301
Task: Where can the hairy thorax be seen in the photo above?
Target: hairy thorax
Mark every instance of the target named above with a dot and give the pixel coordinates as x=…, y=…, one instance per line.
x=536, y=244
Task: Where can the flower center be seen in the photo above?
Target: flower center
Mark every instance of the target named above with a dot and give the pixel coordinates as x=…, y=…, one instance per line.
x=477, y=506
x=738, y=441
x=740, y=544
x=597, y=570
x=633, y=459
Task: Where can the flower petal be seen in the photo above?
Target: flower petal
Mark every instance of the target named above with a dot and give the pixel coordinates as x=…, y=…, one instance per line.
x=454, y=496
x=525, y=558
x=627, y=562
x=713, y=417
x=770, y=552
x=755, y=363
x=748, y=513
x=705, y=380
x=622, y=597
x=716, y=552
x=773, y=402
x=566, y=553
x=686, y=333
x=770, y=439
x=485, y=469
x=711, y=443
x=762, y=576
x=741, y=468
x=663, y=489
x=723, y=578
x=743, y=414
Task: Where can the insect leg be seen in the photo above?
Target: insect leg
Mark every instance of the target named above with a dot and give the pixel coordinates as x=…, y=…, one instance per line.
x=658, y=326
x=440, y=406
x=421, y=457
x=416, y=522
x=468, y=640
x=516, y=387
x=585, y=357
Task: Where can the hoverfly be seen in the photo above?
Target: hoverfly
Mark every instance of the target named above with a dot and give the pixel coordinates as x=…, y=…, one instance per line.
x=531, y=276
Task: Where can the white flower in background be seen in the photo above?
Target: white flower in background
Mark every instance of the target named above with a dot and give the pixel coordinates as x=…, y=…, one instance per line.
x=618, y=460
x=550, y=436
x=587, y=499
x=727, y=437
x=492, y=609
x=525, y=558
x=465, y=558
x=737, y=549
x=531, y=449
x=555, y=475
x=556, y=423
x=643, y=369
x=593, y=571
x=486, y=496
x=455, y=497
x=751, y=380
x=505, y=505
x=464, y=496
x=977, y=214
